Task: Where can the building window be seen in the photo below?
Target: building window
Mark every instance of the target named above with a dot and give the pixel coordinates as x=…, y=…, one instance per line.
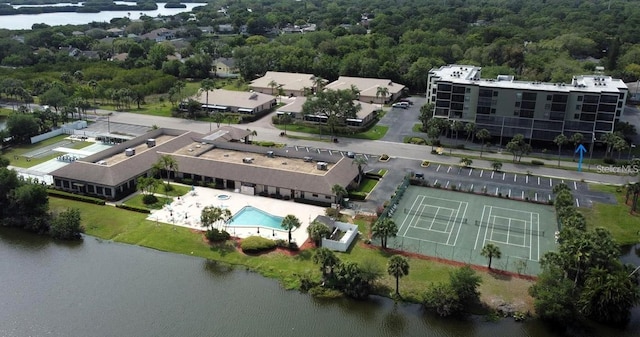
x=549, y=98
x=576, y=116
x=578, y=106
x=314, y=195
x=327, y=197
x=517, y=104
x=493, y=111
x=579, y=98
x=516, y=113
x=495, y=94
x=468, y=90
x=99, y=190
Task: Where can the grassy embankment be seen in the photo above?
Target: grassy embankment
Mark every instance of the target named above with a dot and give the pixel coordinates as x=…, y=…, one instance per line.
x=130, y=227
x=624, y=226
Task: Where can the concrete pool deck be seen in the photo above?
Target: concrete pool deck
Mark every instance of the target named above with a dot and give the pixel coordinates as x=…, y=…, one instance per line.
x=185, y=212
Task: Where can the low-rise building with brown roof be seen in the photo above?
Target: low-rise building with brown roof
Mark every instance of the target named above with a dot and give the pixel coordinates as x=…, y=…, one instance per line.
x=220, y=100
x=292, y=84
x=365, y=115
x=368, y=88
x=209, y=160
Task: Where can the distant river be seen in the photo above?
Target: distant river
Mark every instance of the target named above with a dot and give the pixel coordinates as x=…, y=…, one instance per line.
x=99, y=288
x=24, y=21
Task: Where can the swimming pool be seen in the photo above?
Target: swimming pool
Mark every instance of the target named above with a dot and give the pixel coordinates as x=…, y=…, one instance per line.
x=251, y=216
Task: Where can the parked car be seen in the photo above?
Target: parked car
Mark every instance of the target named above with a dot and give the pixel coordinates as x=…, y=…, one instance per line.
x=404, y=100
x=351, y=154
x=401, y=105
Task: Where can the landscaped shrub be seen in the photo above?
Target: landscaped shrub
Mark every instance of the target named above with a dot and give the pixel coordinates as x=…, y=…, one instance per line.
x=331, y=212
x=133, y=208
x=313, y=202
x=358, y=195
x=609, y=160
x=257, y=244
x=76, y=197
x=537, y=162
x=149, y=199
x=384, y=157
x=215, y=235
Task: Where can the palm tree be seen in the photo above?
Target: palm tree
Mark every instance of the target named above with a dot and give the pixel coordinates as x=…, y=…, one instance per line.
x=318, y=82
x=456, y=126
x=576, y=139
x=211, y=215
x=339, y=191
x=560, y=140
x=327, y=261
x=491, y=251
x=483, y=135
x=466, y=162
x=273, y=85
x=361, y=161
x=207, y=85
x=317, y=231
x=469, y=128
x=383, y=229
x=496, y=165
x=285, y=119
x=289, y=223
x=168, y=164
x=382, y=92
x=398, y=267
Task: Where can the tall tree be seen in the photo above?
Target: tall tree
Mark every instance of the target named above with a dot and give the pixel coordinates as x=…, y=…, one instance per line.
x=470, y=129
x=560, y=140
x=327, y=261
x=483, y=135
x=211, y=215
x=491, y=251
x=456, y=127
x=168, y=164
x=382, y=92
x=333, y=106
x=398, y=267
x=576, y=139
x=289, y=223
x=383, y=230
x=317, y=231
x=361, y=162
x=67, y=225
x=339, y=191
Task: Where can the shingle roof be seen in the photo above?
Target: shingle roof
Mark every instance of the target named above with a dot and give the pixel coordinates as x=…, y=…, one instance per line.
x=296, y=107
x=87, y=169
x=289, y=81
x=367, y=86
x=240, y=99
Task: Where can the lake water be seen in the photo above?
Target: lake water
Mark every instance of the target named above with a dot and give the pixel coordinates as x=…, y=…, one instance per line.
x=99, y=288
x=24, y=21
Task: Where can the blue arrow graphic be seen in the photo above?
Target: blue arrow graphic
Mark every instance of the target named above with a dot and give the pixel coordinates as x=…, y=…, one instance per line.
x=581, y=150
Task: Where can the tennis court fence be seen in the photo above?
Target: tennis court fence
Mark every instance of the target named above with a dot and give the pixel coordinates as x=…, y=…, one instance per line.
x=507, y=228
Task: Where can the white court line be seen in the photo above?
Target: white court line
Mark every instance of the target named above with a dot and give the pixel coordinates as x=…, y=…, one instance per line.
x=538, y=227
x=405, y=219
x=508, y=230
x=531, y=239
x=509, y=210
x=464, y=214
x=486, y=230
x=424, y=240
x=475, y=246
x=471, y=170
x=481, y=172
x=453, y=224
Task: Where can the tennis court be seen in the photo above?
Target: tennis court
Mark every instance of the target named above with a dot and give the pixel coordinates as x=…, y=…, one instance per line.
x=456, y=226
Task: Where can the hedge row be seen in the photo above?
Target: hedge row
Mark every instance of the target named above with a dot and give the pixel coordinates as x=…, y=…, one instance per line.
x=357, y=195
x=133, y=208
x=75, y=197
x=257, y=244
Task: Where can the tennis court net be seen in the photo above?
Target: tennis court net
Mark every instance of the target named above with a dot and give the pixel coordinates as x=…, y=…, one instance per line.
x=510, y=228
x=432, y=216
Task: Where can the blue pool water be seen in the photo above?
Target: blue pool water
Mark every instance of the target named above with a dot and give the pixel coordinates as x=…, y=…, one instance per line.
x=251, y=216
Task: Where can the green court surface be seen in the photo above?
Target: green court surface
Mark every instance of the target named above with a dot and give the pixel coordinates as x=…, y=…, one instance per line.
x=456, y=226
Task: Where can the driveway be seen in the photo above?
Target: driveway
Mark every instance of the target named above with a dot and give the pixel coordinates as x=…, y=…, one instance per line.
x=401, y=121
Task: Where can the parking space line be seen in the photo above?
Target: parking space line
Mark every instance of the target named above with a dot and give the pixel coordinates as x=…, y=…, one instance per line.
x=471, y=188
x=538, y=180
x=342, y=153
x=435, y=182
x=536, y=196
x=550, y=182
x=526, y=180
x=318, y=151
x=438, y=169
x=497, y=190
x=481, y=172
x=575, y=185
x=515, y=176
x=296, y=146
x=504, y=175
x=577, y=203
x=509, y=193
x=492, y=172
x=522, y=194
x=549, y=195
x=471, y=170
x=330, y=153
x=449, y=169
x=447, y=185
x=307, y=149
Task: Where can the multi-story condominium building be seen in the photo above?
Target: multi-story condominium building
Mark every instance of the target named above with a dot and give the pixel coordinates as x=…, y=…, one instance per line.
x=590, y=104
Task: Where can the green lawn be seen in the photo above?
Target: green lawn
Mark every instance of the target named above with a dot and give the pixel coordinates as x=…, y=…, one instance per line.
x=136, y=201
x=177, y=191
x=120, y=225
x=367, y=185
x=624, y=227
x=5, y=112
